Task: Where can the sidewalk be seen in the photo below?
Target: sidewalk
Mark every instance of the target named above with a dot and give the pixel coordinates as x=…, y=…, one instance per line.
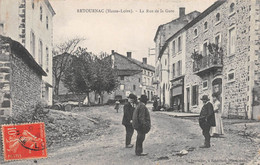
x=178, y=114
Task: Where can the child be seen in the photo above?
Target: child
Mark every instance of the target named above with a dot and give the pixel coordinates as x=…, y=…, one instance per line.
x=117, y=106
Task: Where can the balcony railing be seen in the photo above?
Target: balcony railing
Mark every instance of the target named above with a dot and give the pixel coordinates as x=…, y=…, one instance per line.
x=207, y=63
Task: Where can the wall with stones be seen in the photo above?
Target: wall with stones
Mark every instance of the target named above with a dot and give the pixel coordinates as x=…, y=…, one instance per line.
x=5, y=93
x=236, y=93
x=20, y=85
x=25, y=85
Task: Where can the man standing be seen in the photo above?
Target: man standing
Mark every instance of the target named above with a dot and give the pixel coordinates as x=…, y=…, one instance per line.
x=206, y=120
x=142, y=124
x=127, y=119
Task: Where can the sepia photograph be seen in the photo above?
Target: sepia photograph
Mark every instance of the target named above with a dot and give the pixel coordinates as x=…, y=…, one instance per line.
x=133, y=82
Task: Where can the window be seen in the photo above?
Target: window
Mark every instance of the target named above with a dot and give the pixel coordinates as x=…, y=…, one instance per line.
x=173, y=70
x=231, y=76
x=148, y=81
x=173, y=47
x=148, y=73
x=144, y=71
x=151, y=74
x=139, y=80
x=40, y=53
x=144, y=81
x=165, y=62
x=231, y=8
x=1, y=28
x=205, y=25
x=179, y=70
x=122, y=77
x=195, y=95
x=32, y=44
x=195, y=32
x=41, y=13
x=179, y=44
x=205, y=49
x=218, y=40
x=217, y=17
x=232, y=41
x=122, y=87
x=205, y=84
x=47, y=59
x=134, y=87
x=47, y=22
x=33, y=4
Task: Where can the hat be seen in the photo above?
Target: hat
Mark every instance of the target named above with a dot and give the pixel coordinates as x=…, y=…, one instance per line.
x=205, y=97
x=131, y=96
x=143, y=98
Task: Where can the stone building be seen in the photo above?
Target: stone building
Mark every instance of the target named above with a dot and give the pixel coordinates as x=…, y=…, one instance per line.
x=230, y=70
x=20, y=78
x=222, y=56
x=30, y=23
x=134, y=76
x=162, y=71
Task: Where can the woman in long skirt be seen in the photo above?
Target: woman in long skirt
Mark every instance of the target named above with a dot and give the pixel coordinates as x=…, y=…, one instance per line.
x=218, y=129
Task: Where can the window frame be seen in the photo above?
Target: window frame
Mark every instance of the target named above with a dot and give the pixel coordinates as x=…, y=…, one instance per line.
x=229, y=40
x=179, y=44
x=234, y=76
x=195, y=34
x=206, y=87
x=218, y=35
x=217, y=19
x=205, y=26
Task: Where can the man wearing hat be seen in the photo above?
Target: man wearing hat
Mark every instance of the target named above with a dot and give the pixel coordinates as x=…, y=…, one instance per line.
x=127, y=119
x=206, y=120
x=142, y=124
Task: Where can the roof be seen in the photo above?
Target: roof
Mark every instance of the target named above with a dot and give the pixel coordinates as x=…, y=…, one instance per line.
x=20, y=51
x=177, y=19
x=139, y=63
x=50, y=7
x=190, y=24
x=128, y=72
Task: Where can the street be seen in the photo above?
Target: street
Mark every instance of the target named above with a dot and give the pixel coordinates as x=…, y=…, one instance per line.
x=166, y=139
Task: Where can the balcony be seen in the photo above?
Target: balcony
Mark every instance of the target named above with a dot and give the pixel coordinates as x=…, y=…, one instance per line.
x=207, y=64
x=155, y=81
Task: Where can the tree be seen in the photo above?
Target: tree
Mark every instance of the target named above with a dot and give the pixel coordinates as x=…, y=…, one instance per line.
x=78, y=76
x=62, y=59
x=104, y=76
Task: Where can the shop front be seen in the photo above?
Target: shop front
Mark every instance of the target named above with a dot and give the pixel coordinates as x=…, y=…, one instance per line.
x=177, y=94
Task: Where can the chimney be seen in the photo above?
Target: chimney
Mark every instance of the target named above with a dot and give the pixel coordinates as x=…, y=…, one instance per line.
x=181, y=11
x=145, y=60
x=129, y=54
x=112, y=51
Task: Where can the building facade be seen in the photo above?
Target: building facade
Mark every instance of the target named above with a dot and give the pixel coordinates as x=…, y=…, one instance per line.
x=221, y=56
x=20, y=79
x=134, y=76
x=30, y=23
x=227, y=36
x=162, y=58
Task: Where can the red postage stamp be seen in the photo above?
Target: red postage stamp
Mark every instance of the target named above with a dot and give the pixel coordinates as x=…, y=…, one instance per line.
x=25, y=141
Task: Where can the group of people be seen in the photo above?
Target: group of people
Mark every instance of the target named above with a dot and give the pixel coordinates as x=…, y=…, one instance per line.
x=210, y=119
x=136, y=117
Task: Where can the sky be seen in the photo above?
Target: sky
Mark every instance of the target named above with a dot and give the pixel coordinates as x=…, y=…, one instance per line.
x=131, y=30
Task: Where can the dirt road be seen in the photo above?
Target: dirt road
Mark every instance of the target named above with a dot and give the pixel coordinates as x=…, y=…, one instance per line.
x=166, y=139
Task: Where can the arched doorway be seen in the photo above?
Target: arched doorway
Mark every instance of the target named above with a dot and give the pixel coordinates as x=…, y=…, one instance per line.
x=217, y=88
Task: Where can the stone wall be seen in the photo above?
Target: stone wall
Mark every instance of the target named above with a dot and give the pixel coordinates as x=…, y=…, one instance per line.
x=5, y=71
x=20, y=83
x=25, y=85
x=235, y=94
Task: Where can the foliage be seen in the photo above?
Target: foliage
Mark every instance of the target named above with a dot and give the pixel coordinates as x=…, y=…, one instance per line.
x=196, y=56
x=215, y=50
x=88, y=73
x=62, y=59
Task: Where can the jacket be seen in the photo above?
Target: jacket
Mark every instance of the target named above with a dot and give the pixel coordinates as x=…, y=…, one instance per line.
x=207, y=115
x=128, y=114
x=141, y=118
